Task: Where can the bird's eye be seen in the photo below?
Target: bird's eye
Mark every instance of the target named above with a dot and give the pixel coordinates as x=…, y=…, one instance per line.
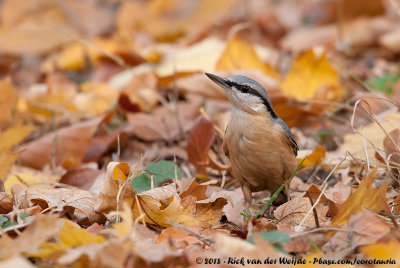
x=245, y=89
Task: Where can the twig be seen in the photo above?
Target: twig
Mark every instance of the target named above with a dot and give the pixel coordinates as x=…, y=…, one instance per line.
x=206, y=240
x=314, y=210
x=332, y=229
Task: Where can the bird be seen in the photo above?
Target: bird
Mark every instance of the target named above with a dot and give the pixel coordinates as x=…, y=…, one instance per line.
x=260, y=146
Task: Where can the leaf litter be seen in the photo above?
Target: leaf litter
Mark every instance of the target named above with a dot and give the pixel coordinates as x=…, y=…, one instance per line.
x=111, y=136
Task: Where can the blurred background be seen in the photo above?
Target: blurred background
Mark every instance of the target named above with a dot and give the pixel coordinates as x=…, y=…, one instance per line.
x=65, y=61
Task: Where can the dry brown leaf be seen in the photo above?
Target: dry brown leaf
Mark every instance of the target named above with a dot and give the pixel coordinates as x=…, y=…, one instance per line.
x=199, y=141
x=392, y=143
x=116, y=174
x=66, y=147
x=365, y=197
x=294, y=211
x=82, y=178
x=354, y=143
x=112, y=253
x=41, y=229
x=181, y=238
x=6, y=205
x=194, y=189
x=60, y=198
x=186, y=212
x=300, y=244
x=140, y=94
x=239, y=248
x=17, y=261
x=391, y=40
x=369, y=228
x=163, y=123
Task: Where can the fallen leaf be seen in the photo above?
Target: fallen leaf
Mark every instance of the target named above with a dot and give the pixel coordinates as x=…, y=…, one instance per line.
x=390, y=39
x=163, y=123
x=112, y=253
x=7, y=160
x=300, y=244
x=392, y=143
x=41, y=229
x=354, y=142
x=82, y=178
x=294, y=211
x=17, y=261
x=115, y=173
x=239, y=54
x=59, y=198
x=156, y=174
x=187, y=211
x=13, y=136
x=170, y=19
x=237, y=248
x=103, y=141
x=199, y=141
x=6, y=205
x=69, y=236
x=364, y=197
x=181, y=238
x=312, y=77
x=314, y=192
x=66, y=146
x=26, y=177
x=315, y=158
x=194, y=189
x=95, y=98
x=140, y=94
x=8, y=100
x=383, y=251
x=369, y=229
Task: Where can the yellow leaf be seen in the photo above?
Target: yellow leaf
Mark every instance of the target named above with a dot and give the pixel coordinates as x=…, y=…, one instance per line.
x=13, y=136
x=71, y=57
x=186, y=212
x=383, y=251
x=27, y=178
x=312, y=77
x=69, y=236
x=7, y=160
x=314, y=158
x=95, y=98
x=239, y=54
x=364, y=197
x=126, y=227
x=72, y=235
x=8, y=99
x=121, y=171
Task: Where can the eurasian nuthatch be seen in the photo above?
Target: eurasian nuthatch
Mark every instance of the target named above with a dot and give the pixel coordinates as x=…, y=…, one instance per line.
x=261, y=148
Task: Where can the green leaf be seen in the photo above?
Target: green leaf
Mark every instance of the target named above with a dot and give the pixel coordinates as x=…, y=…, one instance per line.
x=5, y=220
x=161, y=172
x=384, y=83
x=275, y=236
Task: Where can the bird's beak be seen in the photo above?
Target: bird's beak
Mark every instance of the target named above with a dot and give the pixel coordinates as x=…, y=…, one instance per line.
x=218, y=80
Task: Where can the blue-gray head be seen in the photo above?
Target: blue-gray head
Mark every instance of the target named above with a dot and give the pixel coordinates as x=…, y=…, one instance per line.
x=248, y=95
x=245, y=93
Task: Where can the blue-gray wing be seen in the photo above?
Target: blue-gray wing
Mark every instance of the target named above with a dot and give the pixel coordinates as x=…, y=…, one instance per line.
x=291, y=140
